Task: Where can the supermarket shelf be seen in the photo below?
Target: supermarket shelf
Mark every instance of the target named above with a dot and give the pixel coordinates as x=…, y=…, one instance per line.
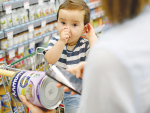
x=93, y=5
x=97, y=15
x=15, y=4
x=24, y=27
x=1, y=34
x=36, y=1
x=36, y=39
x=99, y=29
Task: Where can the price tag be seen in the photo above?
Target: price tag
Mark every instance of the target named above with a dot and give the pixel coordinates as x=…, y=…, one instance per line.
x=40, y=2
x=43, y=23
x=31, y=28
x=9, y=35
x=46, y=39
x=54, y=34
x=8, y=9
x=12, y=53
x=21, y=49
x=32, y=45
x=26, y=5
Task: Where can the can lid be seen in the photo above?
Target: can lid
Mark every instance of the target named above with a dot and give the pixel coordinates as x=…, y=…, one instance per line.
x=50, y=95
x=51, y=91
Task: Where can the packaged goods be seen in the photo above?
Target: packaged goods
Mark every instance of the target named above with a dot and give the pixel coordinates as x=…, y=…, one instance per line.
x=15, y=18
x=4, y=44
x=9, y=20
x=39, y=89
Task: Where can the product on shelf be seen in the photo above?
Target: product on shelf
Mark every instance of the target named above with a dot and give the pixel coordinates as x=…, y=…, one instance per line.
x=10, y=42
x=32, y=13
x=5, y=0
x=15, y=39
x=25, y=36
x=9, y=60
x=44, y=10
x=38, y=11
x=4, y=44
x=3, y=22
x=5, y=103
x=16, y=58
x=15, y=17
x=9, y=20
x=30, y=34
x=23, y=15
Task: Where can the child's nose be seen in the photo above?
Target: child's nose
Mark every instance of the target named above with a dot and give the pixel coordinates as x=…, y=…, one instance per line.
x=67, y=28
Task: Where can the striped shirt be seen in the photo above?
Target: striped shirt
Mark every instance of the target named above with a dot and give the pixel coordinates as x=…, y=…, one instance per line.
x=68, y=58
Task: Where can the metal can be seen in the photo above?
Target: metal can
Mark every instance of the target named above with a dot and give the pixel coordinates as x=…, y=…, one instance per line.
x=5, y=103
x=48, y=94
x=39, y=89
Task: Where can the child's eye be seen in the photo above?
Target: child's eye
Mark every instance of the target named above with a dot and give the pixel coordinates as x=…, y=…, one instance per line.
x=63, y=22
x=74, y=24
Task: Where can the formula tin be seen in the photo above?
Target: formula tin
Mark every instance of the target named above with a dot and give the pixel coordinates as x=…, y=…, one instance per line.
x=5, y=103
x=27, y=86
x=48, y=94
x=13, y=85
x=31, y=84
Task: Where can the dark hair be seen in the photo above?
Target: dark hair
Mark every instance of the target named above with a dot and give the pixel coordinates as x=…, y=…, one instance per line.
x=76, y=5
x=119, y=10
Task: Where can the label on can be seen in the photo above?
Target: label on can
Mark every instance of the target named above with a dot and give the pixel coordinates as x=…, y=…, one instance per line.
x=14, y=84
x=38, y=89
x=35, y=80
x=27, y=86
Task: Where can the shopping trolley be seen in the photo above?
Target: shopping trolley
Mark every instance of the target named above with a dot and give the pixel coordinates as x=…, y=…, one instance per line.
x=5, y=82
x=35, y=61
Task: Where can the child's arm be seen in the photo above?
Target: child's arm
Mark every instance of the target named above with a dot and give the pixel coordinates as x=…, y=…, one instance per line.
x=54, y=53
x=90, y=35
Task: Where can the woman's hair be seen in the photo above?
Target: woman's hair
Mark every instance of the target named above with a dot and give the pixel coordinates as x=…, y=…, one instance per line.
x=79, y=5
x=119, y=10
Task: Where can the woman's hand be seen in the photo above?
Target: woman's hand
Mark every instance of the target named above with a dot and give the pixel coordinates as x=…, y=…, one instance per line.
x=33, y=108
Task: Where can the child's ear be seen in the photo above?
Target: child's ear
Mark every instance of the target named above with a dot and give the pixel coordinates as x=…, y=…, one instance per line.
x=85, y=29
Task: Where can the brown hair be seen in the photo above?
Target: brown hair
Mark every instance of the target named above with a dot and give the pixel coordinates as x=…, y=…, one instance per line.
x=119, y=10
x=76, y=5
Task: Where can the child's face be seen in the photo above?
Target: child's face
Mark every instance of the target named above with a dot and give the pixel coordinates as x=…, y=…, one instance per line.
x=72, y=20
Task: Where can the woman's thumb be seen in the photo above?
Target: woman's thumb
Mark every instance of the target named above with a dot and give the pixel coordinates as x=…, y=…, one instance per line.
x=25, y=102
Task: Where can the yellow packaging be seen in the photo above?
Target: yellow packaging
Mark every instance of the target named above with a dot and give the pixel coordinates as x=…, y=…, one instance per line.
x=0, y=105
x=5, y=103
x=15, y=108
x=2, y=90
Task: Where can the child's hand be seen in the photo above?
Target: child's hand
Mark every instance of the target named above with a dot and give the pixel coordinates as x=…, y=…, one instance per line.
x=90, y=35
x=90, y=32
x=65, y=35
